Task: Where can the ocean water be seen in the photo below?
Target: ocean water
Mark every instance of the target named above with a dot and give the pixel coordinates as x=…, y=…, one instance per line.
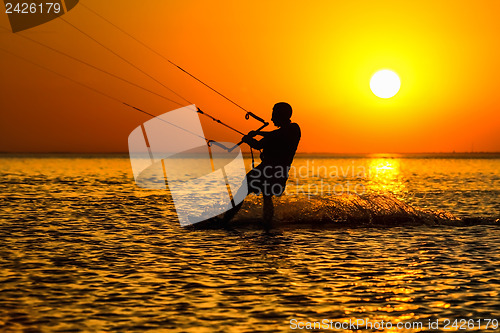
x=84, y=249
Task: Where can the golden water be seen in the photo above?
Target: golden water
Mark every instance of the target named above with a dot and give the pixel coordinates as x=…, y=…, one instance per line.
x=83, y=249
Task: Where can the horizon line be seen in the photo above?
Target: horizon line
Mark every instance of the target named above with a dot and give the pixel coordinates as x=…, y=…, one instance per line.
x=298, y=153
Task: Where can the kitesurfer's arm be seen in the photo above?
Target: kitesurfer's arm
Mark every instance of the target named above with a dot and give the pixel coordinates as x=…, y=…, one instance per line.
x=255, y=144
x=255, y=133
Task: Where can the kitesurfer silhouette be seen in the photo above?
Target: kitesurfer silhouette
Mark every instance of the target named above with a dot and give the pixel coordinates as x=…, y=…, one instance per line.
x=278, y=150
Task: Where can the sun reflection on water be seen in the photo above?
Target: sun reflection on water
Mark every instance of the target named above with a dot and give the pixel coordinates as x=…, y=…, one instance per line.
x=385, y=176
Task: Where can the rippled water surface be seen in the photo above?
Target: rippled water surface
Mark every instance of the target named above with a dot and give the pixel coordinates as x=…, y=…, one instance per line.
x=84, y=249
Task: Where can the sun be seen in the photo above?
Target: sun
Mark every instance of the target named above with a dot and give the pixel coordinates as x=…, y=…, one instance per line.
x=385, y=83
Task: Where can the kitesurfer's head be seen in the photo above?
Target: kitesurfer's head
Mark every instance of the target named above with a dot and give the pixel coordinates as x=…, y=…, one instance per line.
x=282, y=112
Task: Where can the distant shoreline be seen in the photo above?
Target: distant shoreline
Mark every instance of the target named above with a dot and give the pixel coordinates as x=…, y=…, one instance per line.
x=441, y=155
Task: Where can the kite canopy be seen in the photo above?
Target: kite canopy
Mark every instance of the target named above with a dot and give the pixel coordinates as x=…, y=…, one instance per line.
x=25, y=15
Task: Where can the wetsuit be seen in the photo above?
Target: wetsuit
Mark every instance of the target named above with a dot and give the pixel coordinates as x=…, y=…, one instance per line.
x=278, y=149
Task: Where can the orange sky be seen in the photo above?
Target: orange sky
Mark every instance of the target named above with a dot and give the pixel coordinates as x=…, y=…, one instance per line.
x=318, y=57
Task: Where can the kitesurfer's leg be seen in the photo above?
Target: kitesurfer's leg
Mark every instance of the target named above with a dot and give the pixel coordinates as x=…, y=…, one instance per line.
x=268, y=211
x=251, y=184
x=241, y=193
